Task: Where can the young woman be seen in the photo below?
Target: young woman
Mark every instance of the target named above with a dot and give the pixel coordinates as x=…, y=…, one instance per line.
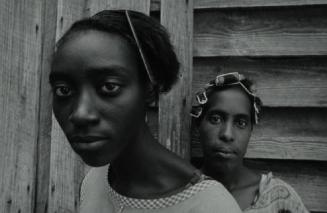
x=227, y=111
x=105, y=71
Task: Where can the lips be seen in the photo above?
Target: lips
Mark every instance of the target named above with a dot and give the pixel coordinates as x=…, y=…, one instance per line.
x=86, y=139
x=224, y=153
x=88, y=143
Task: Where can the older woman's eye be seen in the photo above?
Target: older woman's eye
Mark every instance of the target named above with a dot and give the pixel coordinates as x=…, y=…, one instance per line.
x=242, y=123
x=63, y=91
x=109, y=88
x=215, y=119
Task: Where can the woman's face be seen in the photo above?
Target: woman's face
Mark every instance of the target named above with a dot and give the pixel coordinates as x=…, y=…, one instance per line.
x=225, y=128
x=98, y=98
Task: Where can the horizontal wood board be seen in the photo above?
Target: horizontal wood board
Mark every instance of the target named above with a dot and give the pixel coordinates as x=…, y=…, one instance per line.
x=210, y=4
x=285, y=31
x=279, y=82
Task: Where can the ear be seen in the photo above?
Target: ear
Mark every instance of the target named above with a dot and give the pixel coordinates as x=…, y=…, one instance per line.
x=151, y=95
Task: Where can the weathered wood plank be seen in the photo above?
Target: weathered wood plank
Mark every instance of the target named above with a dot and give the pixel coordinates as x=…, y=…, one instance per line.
x=295, y=82
x=206, y=4
x=20, y=44
x=48, y=30
x=66, y=169
x=174, y=121
x=67, y=13
x=295, y=31
x=93, y=7
x=210, y=4
x=285, y=133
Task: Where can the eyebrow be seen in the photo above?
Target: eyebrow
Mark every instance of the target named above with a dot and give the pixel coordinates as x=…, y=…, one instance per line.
x=243, y=115
x=55, y=76
x=110, y=70
x=114, y=70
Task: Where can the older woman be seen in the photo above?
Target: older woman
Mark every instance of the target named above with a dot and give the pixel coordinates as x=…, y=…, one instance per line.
x=227, y=112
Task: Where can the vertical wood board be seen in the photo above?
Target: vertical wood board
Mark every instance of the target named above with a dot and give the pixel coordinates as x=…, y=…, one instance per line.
x=174, y=120
x=20, y=41
x=48, y=30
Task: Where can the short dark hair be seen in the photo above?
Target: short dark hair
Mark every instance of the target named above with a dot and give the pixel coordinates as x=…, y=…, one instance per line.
x=152, y=36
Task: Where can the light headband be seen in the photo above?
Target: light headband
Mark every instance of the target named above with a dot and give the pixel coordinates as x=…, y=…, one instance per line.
x=228, y=79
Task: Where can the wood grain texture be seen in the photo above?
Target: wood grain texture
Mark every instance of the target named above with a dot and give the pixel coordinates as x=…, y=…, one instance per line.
x=280, y=82
x=20, y=41
x=285, y=133
x=174, y=121
x=67, y=13
x=66, y=169
x=93, y=6
x=210, y=4
x=294, y=31
x=48, y=30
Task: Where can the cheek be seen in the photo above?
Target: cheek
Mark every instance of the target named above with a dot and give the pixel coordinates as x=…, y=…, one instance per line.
x=208, y=134
x=244, y=138
x=61, y=112
x=124, y=112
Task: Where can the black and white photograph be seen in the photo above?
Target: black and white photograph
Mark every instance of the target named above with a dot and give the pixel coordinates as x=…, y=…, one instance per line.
x=163, y=106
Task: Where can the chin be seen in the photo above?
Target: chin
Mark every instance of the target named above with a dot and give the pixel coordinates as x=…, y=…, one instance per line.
x=94, y=161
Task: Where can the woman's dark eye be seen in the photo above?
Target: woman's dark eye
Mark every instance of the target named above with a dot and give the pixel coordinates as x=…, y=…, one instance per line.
x=215, y=119
x=242, y=123
x=110, y=88
x=62, y=91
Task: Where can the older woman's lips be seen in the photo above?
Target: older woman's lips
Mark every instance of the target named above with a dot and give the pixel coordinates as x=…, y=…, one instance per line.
x=223, y=153
x=88, y=143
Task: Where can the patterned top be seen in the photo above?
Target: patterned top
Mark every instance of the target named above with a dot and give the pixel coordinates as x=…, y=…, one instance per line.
x=276, y=196
x=201, y=196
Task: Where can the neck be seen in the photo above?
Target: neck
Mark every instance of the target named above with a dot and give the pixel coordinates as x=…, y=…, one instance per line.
x=134, y=157
x=146, y=168
x=229, y=176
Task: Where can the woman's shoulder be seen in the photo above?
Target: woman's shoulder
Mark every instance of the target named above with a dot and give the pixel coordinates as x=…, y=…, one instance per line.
x=274, y=185
x=213, y=197
x=275, y=193
x=94, y=182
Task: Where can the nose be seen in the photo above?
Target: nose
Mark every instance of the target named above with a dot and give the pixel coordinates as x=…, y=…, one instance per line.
x=84, y=112
x=226, y=132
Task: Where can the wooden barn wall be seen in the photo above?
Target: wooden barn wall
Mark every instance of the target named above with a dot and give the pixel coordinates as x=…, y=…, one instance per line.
x=282, y=47
x=280, y=44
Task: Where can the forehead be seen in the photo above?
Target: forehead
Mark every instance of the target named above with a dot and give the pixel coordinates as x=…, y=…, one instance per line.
x=231, y=101
x=92, y=49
